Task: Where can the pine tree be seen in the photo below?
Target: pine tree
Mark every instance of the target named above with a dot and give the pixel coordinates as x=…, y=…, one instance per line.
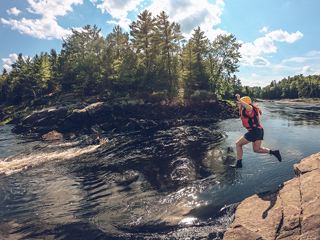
x=142, y=32
x=190, y=71
x=167, y=47
x=119, y=41
x=53, y=83
x=81, y=55
x=200, y=43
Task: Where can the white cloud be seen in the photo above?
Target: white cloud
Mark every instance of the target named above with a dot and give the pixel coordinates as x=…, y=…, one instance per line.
x=264, y=29
x=263, y=80
x=248, y=49
x=260, y=45
x=117, y=8
x=213, y=33
x=7, y=67
x=283, y=36
x=311, y=57
x=260, y=62
x=8, y=61
x=307, y=70
x=314, y=54
x=13, y=57
x=124, y=23
x=220, y=3
x=255, y=81
x=296, y=59
x=14, y=11
x=251, y=51
x=254, y=61
x=265, y=45
x=46, y=27
x=51, y=9
x=281, y=66
x=191, y=14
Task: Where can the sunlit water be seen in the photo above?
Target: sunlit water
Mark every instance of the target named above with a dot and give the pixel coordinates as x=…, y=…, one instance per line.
x=167, y=183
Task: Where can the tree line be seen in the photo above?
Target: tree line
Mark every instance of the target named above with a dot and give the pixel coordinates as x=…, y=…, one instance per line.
x=154, y=57
x=298, y=86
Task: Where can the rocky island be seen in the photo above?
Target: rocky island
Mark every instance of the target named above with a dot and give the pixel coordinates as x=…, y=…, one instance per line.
x=121, y=116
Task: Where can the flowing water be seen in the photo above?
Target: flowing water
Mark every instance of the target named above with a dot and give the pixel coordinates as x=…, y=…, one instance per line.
x=170, y=183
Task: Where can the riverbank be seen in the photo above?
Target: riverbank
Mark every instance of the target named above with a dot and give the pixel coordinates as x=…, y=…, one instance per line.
x=13, y=114
x=290, y=212
x=122, y=115
x=305, y=100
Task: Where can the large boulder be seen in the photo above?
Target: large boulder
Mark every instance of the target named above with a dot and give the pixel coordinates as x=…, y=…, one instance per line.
x=290, y=212
x=41, y=121
x=77, y=119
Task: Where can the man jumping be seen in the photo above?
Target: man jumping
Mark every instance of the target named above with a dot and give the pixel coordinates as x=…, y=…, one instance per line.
x=250, y=120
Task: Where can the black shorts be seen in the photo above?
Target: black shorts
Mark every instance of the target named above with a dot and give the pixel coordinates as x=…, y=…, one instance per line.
x=254, y=134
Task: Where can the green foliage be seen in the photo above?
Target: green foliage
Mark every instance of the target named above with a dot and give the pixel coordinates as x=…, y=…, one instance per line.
x=6, y=121
x=70, y=111
x=223, y=58
x=200, y=95
x=153, y=58
x=298, y=86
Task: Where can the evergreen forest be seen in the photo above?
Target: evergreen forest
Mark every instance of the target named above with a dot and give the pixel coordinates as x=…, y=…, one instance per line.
x=153, y=58
x=298, y=86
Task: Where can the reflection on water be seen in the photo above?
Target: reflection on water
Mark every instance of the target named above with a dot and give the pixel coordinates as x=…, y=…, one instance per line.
x=166, y=183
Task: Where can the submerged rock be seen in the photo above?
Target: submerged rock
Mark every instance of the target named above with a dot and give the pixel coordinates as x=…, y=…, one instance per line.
x=125, y=178
x=52, y=136
x=290, y=212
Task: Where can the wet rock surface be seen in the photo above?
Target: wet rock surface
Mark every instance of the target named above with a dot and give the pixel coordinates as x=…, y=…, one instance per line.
x=290, y=212
x=52, y=136
x=123, y=116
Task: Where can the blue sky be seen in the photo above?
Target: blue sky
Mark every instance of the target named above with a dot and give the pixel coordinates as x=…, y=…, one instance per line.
x=280, y=38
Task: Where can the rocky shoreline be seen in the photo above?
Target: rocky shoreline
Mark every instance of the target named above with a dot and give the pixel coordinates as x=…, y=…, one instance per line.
x=290, y=212
x=305, y=100
x=101, y=117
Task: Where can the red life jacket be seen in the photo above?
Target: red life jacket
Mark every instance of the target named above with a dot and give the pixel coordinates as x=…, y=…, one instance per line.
x=251, y=122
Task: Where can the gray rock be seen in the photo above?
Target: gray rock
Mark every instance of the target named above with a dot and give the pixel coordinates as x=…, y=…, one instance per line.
x=41, y=121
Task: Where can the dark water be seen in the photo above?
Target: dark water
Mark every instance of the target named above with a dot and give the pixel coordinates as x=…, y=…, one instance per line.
x=164, y=184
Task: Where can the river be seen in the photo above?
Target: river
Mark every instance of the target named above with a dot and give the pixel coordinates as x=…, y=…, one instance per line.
x=158, y=184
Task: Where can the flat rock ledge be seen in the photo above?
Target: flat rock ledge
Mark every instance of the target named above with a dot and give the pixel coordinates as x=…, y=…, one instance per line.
x=290, y=212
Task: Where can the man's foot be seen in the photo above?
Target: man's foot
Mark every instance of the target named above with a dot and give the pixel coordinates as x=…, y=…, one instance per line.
x=276, y=153
x=237, y=165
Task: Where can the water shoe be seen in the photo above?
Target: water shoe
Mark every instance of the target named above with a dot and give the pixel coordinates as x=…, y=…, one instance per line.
x=276, y=153
x=238, y=164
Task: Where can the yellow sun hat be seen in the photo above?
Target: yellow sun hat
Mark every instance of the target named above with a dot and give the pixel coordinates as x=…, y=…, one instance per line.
x=246, y=99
